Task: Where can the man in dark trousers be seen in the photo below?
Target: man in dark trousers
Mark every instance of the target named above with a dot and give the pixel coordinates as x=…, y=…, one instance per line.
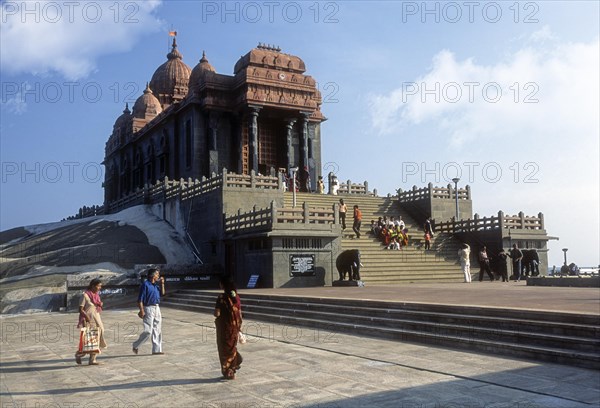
x=484, y=264
x=148, y=299
x=427, y=227
x=343, y=209
x=357, y=221
x=502, y=265
x=516, y=255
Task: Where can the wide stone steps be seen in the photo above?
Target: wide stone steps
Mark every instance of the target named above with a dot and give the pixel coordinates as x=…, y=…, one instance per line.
x=557, y=337
x=382, y=266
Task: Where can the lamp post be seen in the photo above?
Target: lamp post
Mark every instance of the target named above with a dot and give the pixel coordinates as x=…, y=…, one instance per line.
x=456, y=180
x=294, y=170
x=565, y=251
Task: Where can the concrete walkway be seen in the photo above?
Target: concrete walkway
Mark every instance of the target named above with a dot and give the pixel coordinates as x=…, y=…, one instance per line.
x=510, y=295
x=284, y=366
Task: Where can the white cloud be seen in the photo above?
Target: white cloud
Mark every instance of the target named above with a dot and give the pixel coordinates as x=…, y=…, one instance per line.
x=15, y=103
x=559, y=133
x=68, y=37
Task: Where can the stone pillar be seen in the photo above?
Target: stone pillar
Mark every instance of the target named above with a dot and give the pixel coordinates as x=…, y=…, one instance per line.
x=522, y=219
x=240, y=145
x=290, y=158
x=253, y=138
x=304, y=132
x=213, y=153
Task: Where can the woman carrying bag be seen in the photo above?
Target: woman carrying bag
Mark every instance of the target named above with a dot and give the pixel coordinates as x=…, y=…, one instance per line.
x=92, y=330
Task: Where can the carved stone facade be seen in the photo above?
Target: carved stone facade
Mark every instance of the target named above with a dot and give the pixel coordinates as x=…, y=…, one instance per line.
x=193, y=122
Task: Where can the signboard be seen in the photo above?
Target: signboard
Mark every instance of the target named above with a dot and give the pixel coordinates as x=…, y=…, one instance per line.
x=187, y=278
x=252, y=281
x=302, y=265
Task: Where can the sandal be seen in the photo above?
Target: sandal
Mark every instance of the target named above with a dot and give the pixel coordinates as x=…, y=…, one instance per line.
x=78, y=359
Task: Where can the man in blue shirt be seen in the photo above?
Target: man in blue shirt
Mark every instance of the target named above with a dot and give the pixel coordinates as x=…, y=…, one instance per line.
x=148, y=299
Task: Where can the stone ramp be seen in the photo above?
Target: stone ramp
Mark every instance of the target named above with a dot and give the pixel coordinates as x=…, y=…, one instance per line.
x=380, y=266
x=565, y=338
x=283, y=366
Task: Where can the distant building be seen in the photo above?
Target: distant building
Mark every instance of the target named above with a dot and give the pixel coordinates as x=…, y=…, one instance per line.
x=190, y=123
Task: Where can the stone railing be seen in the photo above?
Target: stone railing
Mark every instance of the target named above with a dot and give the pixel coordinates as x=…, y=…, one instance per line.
x=356, y=188
x=272, y=217
x=187, y=189
x=431, y=192
x=85, y=212
x=501, y=221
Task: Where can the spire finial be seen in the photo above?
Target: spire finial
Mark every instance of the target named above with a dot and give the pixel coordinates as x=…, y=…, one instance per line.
x=174, y=51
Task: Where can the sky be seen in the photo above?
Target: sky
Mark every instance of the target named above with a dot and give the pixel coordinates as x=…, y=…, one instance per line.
x=504, y=95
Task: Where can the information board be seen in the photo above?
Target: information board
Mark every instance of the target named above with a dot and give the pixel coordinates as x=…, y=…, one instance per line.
x=302, y=265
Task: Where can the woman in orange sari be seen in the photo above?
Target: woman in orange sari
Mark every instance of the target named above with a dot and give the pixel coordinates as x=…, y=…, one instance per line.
x=228, y=313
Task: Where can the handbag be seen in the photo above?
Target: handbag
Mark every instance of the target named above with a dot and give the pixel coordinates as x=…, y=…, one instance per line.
x=89, y=340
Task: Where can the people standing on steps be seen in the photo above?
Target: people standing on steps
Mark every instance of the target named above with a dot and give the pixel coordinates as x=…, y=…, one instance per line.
x=343, y=209
x=357, y=221
x=427, y=227
x=465, y=261
x=427, y=241
x=320, y=185
x=484, y=264
x=304, y=180
x=400, y=222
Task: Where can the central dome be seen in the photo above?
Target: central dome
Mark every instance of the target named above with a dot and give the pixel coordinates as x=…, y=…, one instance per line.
x=170, y=81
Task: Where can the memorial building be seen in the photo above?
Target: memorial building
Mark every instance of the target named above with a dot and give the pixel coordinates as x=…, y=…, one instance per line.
x=190, y=123
x=211, y=154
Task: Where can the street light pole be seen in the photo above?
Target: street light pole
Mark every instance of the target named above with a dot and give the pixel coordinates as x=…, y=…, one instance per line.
x=565, y=251
x=294, y=170
x=456, y=180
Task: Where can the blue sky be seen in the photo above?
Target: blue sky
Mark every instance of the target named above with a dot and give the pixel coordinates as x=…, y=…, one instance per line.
x=507, y=93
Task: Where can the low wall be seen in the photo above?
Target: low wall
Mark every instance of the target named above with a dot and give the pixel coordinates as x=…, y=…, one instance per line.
x=566, y=282
x=117, y=291
x=122, y=290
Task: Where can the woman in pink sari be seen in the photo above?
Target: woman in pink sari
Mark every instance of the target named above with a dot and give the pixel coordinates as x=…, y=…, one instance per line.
x=228, y=322
x=89, y=314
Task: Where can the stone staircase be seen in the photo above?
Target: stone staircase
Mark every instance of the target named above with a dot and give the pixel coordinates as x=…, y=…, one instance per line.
x=564, y=338
x=384, y=267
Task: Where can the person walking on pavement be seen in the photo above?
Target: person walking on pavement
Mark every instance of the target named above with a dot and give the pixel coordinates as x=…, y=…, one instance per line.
x=148, y=299
x=90, y=308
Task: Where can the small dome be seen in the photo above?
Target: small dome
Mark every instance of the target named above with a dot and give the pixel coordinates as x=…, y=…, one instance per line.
x=199, y=70
x=146, y=106
x=124, y=119
x=171, y=79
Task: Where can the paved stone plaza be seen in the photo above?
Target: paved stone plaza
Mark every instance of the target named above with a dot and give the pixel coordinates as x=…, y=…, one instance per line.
x=283, y=366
